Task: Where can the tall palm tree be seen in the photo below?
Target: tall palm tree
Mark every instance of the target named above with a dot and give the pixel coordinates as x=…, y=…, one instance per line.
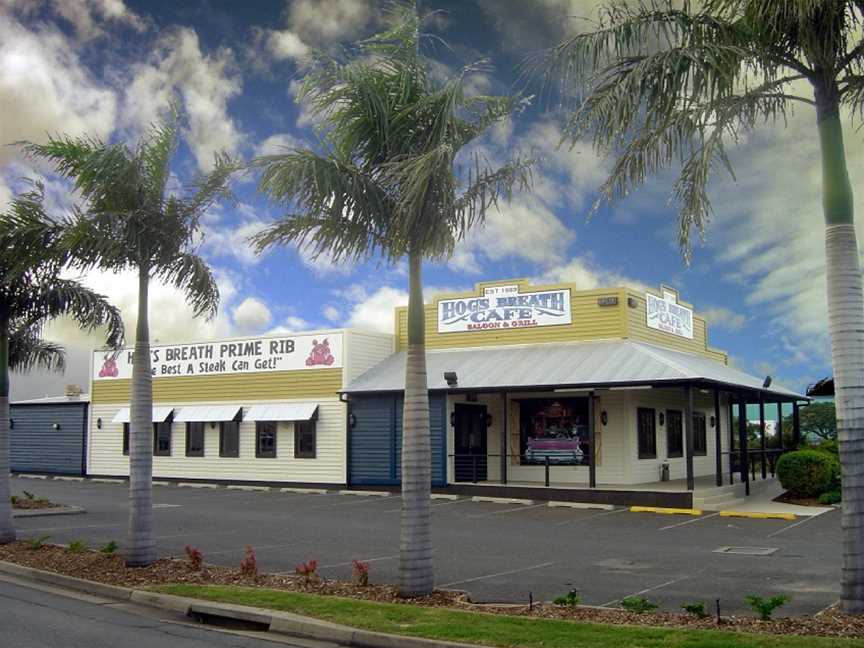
x=385, y=185
x=32, y=292
x=131, y=220
x=668, y=82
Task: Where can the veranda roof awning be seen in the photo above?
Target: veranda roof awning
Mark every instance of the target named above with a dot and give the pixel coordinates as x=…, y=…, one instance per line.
x=590, y=364
x=160, y=414
x=208, y=413
x=282, y=412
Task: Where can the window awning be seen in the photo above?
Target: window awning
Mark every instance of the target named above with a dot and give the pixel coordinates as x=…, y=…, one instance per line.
x=208, y=413
x=282, y=412
x=160, y=414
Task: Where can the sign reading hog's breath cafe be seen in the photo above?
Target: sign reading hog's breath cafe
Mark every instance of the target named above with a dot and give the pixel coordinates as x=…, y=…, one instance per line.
x=253, y=355
x=504, y=307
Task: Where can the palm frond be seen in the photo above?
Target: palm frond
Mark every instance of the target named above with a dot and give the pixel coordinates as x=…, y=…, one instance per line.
x=191, y=274
x=28, y=352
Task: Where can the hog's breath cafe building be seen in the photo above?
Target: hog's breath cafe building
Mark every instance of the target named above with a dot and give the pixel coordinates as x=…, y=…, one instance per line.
x=548, y=392
x=237, y=410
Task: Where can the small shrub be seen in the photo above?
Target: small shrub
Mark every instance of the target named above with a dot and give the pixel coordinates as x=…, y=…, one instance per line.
x=14, y=500
x=638, y=604
x=77, y=547
x=308, y=570
x=195, y=558
x=34, y=544
x=109, y=548
x=830, y=446
x=807, y=473
x=359, y=572
x=696, y=609
x=570, y=599
x=249, y=565
x=830, y=497
x=765, y=607
x=28, y=495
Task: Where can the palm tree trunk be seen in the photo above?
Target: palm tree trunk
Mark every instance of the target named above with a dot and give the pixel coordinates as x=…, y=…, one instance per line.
x=415, y=546
x=141, y=548
x=7, y=530
x=846, y=325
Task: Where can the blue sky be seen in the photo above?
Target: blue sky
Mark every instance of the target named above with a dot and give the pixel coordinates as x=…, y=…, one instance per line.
x=109, y=67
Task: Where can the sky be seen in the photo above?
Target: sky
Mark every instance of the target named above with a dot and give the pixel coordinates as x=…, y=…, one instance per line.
x=109, y=68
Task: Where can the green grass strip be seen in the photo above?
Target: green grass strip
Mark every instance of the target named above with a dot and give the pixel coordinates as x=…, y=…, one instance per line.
x=490, y=629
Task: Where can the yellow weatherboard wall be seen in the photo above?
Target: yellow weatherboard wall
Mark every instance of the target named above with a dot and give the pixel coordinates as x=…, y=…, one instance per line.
x=230, y=387
x=590, y=322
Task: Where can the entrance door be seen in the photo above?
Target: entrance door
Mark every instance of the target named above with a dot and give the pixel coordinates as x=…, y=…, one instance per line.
x=469, y=441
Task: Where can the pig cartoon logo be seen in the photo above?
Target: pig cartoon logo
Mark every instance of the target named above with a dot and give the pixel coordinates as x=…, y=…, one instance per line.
x=320, y=354
x=109, y=367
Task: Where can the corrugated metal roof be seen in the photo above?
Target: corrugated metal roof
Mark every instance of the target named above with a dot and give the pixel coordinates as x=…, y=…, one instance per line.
x=281, y=412
x=572, y=364
x=54, y=400
x=160, y=414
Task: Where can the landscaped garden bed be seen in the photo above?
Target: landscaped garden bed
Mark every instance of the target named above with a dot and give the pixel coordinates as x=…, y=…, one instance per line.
x=29, y=502
x=192, y=577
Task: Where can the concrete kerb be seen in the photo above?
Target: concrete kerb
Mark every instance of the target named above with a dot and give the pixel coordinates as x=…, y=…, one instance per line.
x=54, y=510
x=362, y=493
x=278, y=622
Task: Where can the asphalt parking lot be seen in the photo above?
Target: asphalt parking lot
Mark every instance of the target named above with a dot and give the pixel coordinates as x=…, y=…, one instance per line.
x=496, y=552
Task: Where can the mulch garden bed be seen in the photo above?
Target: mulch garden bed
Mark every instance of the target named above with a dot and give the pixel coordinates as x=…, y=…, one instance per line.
x=786, y=498
x=111, y=569
x=30, y=504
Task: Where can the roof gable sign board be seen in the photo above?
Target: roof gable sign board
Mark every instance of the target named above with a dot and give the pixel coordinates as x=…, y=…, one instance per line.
x=251, y=355
x=504, y=307
x=667, y=315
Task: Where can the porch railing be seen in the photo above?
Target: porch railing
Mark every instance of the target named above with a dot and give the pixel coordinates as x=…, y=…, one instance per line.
x=765, y=460
x=473, y=462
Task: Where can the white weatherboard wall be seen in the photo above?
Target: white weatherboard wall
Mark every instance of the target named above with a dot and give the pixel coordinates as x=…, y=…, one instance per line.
x=618, y=460
x=360, y=351
x=328, y=467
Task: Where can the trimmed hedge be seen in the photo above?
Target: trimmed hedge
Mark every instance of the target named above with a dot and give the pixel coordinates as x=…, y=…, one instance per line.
x=807, y=473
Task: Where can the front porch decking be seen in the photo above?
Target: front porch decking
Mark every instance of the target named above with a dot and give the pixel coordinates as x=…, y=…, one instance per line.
x=671, y=494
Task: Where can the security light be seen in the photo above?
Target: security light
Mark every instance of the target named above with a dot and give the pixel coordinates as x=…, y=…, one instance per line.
x=450, y=377
x=767, y=383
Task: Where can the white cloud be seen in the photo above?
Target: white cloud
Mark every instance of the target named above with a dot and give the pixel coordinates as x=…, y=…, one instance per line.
x=529, y=226
x=286, y=45
x=88, y=16
x=45, y=88
x=291, y=324
x=206, y=83
x=231, y=240
x=251, y=316
x=332, y=314
x=587, y=276
x=278, y=143
x=317, y=24
x=722, y=317
x=376, y=311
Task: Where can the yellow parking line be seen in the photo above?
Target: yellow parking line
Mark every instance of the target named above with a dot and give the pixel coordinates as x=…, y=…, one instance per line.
x=665, y=511
x=759, y=516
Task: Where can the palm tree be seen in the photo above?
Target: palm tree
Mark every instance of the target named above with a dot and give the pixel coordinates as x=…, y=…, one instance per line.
x=32, y=293
x=130, y=219
x=667, y=82
x=385, y=185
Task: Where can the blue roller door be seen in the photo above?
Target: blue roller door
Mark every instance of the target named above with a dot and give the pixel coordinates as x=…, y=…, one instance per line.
x=376, y=439
x=48, y=438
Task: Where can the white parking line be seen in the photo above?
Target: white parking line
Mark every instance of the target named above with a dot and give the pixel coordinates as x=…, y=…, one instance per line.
x=431, y=506
x=591, y=517
x=680, y=524
x=365, y=560
x=652, y=589
x=789, y=526
x=355, y=502
x=507, y=573
x=510, y=510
